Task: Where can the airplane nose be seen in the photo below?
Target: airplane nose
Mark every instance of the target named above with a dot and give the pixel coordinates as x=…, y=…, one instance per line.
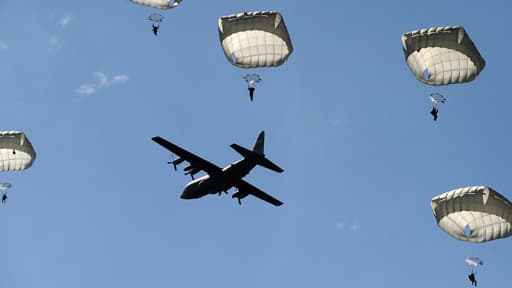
x=187, y=194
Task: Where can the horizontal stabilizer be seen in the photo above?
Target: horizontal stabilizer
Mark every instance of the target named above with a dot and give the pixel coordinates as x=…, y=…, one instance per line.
x=259, y=159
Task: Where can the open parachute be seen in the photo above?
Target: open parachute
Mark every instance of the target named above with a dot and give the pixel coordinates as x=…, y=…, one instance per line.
x=4, y=187
x=474, y=262
x=474, y=214
x=255, y=39
x=16, y=152
x=158, y=4
x=436, y=98
x=442, y=55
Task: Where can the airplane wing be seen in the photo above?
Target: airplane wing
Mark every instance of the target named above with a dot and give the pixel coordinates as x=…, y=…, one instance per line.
x=195, y=161
x=244, y=189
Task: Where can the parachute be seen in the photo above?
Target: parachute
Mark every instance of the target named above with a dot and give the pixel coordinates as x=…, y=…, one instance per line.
x=474, y=262
x=255, y=39
x=16, y=152
x=4, y=187
x=252, y=79
x=436, y=98
x=474, y=214
x=442, y=55
x=156, y=18
x=158, y=4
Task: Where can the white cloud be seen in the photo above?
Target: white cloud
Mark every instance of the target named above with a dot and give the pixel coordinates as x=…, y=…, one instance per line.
x=3, y=46
x=64, y=21
x=340, y=225
x=102, y=81
x=122, y=78
x=54, y=40
x=86, y=89
x=352, y=227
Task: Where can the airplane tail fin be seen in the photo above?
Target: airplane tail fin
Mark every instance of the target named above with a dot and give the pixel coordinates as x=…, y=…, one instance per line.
x=257, y=153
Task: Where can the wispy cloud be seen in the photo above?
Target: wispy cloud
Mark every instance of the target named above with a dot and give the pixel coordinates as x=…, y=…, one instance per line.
x=54, y=41
x=3, y=45
x=86, y=89
x=123, y=78
x=101, y=80
x=64, y=21
x=354, y=227
x=55, y=38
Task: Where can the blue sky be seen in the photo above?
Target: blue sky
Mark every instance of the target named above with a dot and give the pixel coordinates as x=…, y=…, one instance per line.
x=344, y=117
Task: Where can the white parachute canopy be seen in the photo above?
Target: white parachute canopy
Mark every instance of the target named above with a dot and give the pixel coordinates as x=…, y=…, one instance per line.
x=156, y=18
x=474, y=214
x=4, y=187
x=158, y=4
x=436, y=98
x=474, y=261
x=16, y=152
x=442, y=55
x=255, y=39
x=252, y=79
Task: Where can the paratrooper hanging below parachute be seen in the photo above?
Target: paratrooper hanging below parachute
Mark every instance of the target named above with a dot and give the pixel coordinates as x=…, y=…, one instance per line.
x=156, y=19
x=255, y=40
x=436, y=98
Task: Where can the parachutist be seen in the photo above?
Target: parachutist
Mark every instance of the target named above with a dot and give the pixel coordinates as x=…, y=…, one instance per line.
x=251, y=92
x=472, y=279
x=155, y=29
x=4, y=198
x=251, y=80
x=434, y=113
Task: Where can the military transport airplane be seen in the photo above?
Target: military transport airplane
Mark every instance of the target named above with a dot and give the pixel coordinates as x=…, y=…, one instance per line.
x=219, y=179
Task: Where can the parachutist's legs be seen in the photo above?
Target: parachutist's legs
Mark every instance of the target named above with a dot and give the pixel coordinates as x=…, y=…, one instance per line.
x=434, y=113
x=251, y=92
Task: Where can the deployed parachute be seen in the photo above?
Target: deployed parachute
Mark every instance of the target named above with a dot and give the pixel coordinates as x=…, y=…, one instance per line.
x=252, y=79
x=156, y=18
x=158, y=4
x=474, y=262
x=4, y=187
x=436, y=98
x=442, y=55
x=255, y=39
x=474, y=214
x=16, y=152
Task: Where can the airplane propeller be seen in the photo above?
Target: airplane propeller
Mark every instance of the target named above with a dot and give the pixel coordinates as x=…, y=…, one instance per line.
x=172, y=162
x=175, y=162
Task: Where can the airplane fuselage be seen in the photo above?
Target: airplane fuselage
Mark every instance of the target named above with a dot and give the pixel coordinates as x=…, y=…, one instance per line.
x=209, y=184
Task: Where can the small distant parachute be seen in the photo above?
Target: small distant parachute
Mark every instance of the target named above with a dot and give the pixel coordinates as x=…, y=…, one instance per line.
x=474, y=214
x=252, y=79
x=255, y=39
x=158, y=4
x=156, y=18
x=436, y=98
x=4, y=187
x=474, y=261
x=442, y=55
x=16, y=152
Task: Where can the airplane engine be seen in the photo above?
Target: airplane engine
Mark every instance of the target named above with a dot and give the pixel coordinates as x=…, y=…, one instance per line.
x=240, y=195
x=176, y=162
x=192, y=171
